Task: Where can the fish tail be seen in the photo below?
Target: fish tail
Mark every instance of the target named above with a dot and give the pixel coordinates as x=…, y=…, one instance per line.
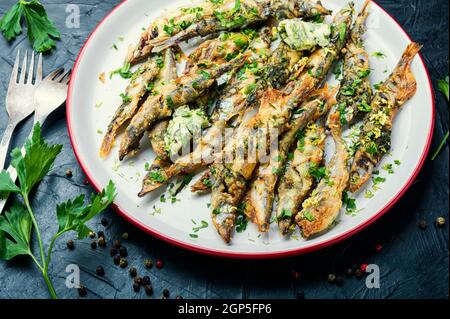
x=408, y=80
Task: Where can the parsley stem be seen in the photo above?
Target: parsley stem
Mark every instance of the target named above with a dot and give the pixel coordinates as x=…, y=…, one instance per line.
x=36, y=229
x=440, y=147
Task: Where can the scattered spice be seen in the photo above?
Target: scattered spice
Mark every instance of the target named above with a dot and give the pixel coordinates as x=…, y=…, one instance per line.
x=378, y=247
x=116, y=260
x=92, y=234
x=159, y=264
x=125, y=236
x=113, y=252
x=82, y=292
x=136, y=287
x=133, y=272
x=123, y=252
x=138, y=280
x=104, y=222
x=117, y=244
x=358, y=273
x=349, y=272
x=86, y=182
x=123, y=263
x=148, y=290
x=363, y=267
x=70, y=244
x=423, y=224
x=440, y=221
x=146, y=280
x=100, y=234
x=69, y=173
x=148, y=263
x=331, y=278
x=94, y=244
x=100, y=271
x=102, y=77
x=166, y=293
x=102, y=242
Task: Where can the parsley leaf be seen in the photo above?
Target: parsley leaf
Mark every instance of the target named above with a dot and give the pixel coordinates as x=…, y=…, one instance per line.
x=41, y=30
x=16, y=223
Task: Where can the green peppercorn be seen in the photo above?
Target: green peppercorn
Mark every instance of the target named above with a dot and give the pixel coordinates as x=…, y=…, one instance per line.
x=331, y=278
x=148, y=263
x=133, y=272
x=70, y=244
x=440, y=221
x=125, y=236
x=123, y=263
x=100, y=271
x=116, y=260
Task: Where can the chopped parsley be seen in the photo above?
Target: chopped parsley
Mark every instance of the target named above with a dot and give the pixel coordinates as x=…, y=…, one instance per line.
x=318, y=172
x=124, y=72
x=125, y=98
x=241, y=219
x=285, y=214
x=379, y=55
x=350, y=203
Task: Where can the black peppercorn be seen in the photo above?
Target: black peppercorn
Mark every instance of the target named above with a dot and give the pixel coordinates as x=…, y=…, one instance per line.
x=166, y=293
x=82, y=291
x=112, y=252
x=331, y=278
x=70, y=244
x=148, y=263
x=423, y=224
x=146, y=280
x=94, y=244
x=339, y=281
x=123, y=251
x=136, y=287
x=349, y=272
x=133, y=272
x=92, y=235
x=116, y=259
x=148, y=289
x=100, y=234
x=100, y=271
x=102, y=242
x=123, y=263
x=138, y=280
x=125, y=236
x=358, y=273
x=69, y=173
x=104, y=222
x=300, y=295
x=117, y=244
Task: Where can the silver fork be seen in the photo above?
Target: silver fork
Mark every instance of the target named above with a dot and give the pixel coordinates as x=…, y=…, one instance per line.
x=49, y=95
x=20, y=98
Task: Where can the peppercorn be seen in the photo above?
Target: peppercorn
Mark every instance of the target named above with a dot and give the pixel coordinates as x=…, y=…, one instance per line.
x=363, y=267
x=296, y=275
x=102, y=242
x=138, y=280
x=100, y=271
x=112, y=252
x=86, y=181
x=146, y=280
x=69, y=173
x=349, y=272
x=70, y=244
x=423, y=224
x=148, y=290
x=440, y=221
x=300, y=295
x=378, y=247
x=166, y=293
x=92, y=235
x=123, y=251
x=148, y=263
x=159, y=264
x=104, y=222
x=358, y=273
x=123, y=263
x=82, y=292
x=133, y=272
x=100, y=234
x=339, y=281
x=136, y=287
x=117, y=244
x=125, y=236
x=94, y=244
x=331, y=278
x=116, y=259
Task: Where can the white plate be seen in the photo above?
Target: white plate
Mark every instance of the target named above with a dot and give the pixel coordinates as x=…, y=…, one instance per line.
x=174, y=222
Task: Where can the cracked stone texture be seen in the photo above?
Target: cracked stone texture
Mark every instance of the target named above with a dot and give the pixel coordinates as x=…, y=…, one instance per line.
x=414, y=263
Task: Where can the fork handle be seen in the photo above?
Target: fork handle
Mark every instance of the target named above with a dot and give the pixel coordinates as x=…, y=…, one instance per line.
x=4, y=144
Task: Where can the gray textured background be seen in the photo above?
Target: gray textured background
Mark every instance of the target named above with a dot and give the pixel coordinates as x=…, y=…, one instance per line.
x=414, y=263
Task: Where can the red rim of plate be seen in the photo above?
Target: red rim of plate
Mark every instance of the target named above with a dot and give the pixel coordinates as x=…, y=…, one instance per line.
x=238, y=255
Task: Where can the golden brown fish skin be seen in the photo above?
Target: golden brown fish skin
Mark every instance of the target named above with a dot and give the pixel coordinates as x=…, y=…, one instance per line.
x=356, y=92
x=154, y=108
x=136, y=90
x=261, y=191
x=232, y=15
x=375, y=138
x=232, y=180
x=297, y=182
x=321, y=209
x=234, y=94
x=156, y=137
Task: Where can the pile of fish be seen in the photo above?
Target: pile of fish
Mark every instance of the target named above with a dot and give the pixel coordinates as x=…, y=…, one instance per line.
x=249, y=76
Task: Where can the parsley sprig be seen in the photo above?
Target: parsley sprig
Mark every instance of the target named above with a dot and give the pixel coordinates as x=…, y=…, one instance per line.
x=17, y=223
x=41, y=30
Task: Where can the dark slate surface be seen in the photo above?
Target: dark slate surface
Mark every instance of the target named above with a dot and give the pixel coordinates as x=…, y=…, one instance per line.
x=413, y=263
